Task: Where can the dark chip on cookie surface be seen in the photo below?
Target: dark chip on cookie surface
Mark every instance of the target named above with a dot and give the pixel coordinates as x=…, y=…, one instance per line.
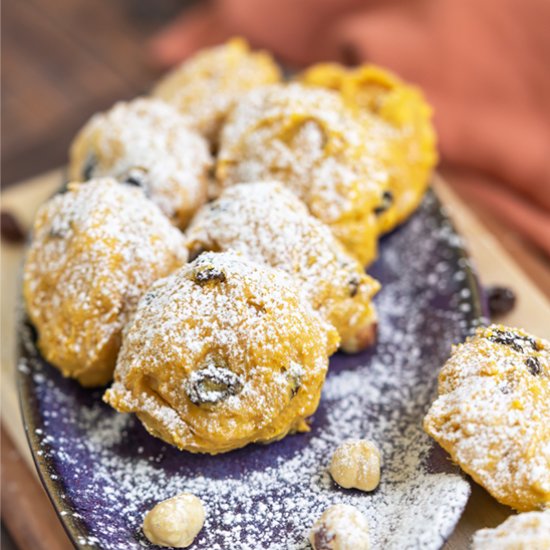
x=387, y=201
x=136, y=177
x=207, y=274
x=132, y=180
x=212, y=384
x=294, y=376
x=149, y=297
x=60, y=228
x=354, y=284
x=218, y=205
x=533, y=365
x=89, y=167
x=516, y=341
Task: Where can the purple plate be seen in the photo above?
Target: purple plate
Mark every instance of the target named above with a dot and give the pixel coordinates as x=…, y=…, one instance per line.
x=103, y=471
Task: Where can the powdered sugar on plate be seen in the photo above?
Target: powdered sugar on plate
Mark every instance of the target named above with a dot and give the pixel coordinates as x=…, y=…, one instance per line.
x=109, y=472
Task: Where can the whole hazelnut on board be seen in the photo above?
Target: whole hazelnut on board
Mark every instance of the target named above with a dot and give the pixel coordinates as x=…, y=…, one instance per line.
x=356, y=464
x=175, y=522
x=341, y=527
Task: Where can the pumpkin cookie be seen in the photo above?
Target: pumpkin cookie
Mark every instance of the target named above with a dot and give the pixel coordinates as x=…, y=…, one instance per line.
x=205, y=87
x=492, y=414
x=528, y=531
x=222, y=353
x=411, y=153
x=267, y=223
x=95, y=250
x=309, y=140
x=146, y=143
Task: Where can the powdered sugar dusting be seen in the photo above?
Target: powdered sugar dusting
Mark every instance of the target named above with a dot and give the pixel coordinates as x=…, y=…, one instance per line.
x=493, y=412
x=267, y=223
x=269, y=496
x=308, y=139
x=530, y=530
x=244, y=323
x=149, y=143
x=206, y=87
x=96, y=249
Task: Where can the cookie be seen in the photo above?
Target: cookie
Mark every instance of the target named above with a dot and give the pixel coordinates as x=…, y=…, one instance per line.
x=95, y=250
x=205, y=87
x=267, y=223
x=410, y=154
x=308, y=139
x=223, y=353
x=492, y=414
x=528, y=531
x=146, y=143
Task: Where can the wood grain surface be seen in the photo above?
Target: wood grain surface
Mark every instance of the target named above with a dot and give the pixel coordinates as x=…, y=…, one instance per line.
x=62, y=61
x=25, y=494
x=26, y=509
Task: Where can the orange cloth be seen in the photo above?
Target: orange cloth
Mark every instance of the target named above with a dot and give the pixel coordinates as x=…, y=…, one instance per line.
x=483, y=64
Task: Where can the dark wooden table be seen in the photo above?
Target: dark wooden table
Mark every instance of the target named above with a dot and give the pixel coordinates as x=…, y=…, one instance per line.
x=63, y=60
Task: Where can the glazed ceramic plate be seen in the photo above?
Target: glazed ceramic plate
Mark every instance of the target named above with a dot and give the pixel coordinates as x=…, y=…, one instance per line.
x=103, y=471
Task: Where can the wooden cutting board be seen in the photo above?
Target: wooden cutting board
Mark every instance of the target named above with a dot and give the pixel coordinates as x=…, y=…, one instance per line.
x=494, y=265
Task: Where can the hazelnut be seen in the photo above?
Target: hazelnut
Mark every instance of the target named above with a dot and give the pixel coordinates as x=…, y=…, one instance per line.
x=341, y=527
x=356, y=464
x=174, y=522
